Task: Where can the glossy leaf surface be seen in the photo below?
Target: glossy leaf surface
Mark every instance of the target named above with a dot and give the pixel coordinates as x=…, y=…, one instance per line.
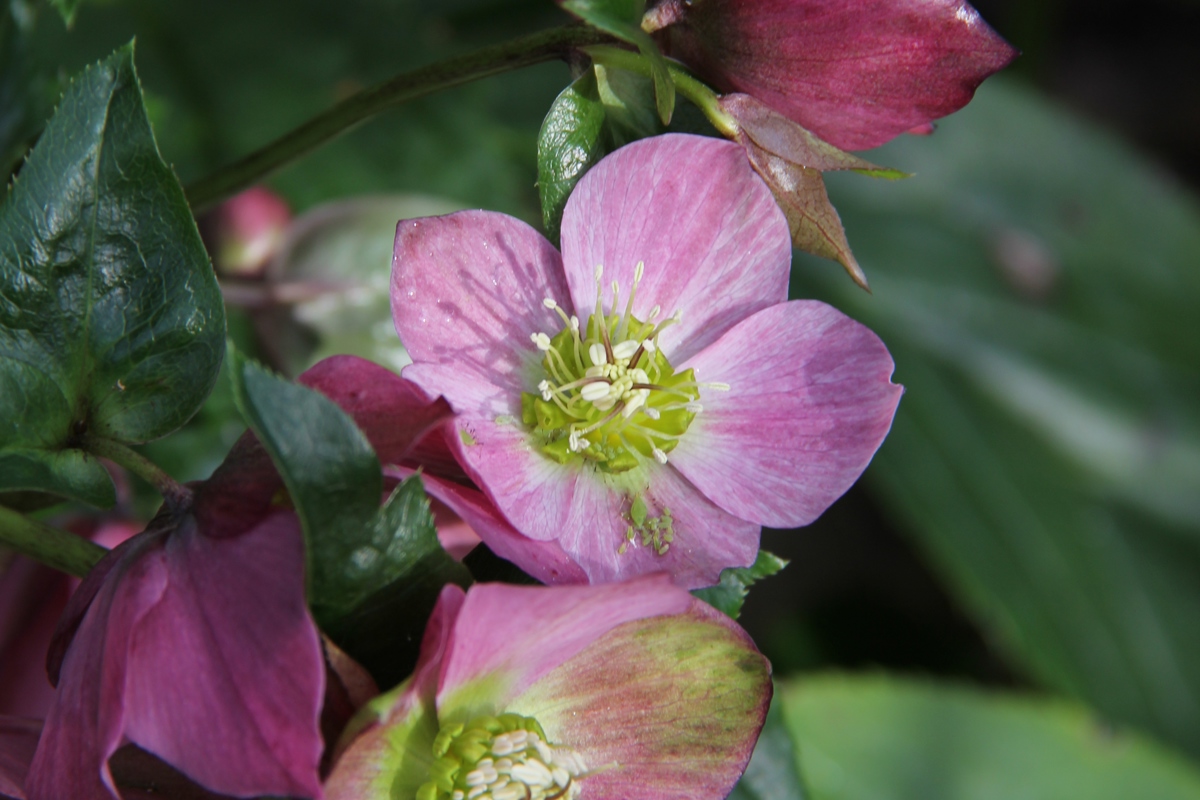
x=112, y=324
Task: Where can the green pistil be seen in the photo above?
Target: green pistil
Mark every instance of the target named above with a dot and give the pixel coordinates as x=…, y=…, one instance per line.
x=506, y=757
x=656, y=532
x=610, y=397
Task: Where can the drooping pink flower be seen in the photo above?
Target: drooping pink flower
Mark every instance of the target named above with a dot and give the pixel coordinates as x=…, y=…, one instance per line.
x=248, y=229
x=649, y=399
x=599, y=692
x=854, y=73
x=158, y=647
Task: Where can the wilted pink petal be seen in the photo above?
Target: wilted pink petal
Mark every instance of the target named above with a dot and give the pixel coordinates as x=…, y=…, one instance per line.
x=854, y=73
x=818, y=387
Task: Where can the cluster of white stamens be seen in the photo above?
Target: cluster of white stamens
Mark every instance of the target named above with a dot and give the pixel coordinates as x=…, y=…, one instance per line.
x=513, y=773
x=602, y=377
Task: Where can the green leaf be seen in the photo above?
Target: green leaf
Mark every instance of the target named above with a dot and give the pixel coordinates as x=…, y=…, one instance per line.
x=570, y=143
x=881, y=738
x=622, y=19
x=1036, y=283
x=772, y=773
x=112, y=324
x=374, y=572
x=728, y=595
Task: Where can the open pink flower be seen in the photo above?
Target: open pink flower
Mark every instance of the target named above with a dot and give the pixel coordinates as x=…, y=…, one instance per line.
x=537, y=693
x=648, y=400
x=855, y=73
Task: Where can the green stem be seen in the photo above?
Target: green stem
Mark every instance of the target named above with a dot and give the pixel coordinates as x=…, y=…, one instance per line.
x=55, y=548
x=175, y=494
x=701, y=96
x=361, y=106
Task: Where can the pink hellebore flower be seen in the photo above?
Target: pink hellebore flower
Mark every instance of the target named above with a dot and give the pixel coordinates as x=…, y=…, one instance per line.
x=649, y=399
x=856, y=73
x=159, y=646
x=536, y=693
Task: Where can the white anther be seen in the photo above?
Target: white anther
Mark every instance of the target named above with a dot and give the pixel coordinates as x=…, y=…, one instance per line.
x=718, y=387
x=693, y=407
x=550, y=304
x=633, y=404
x=476, y=791
x=606, y=402
x=599, y=272
x=511, y=791
x=561, y=776
x=594, y=391
x=532, y=773
x=638, y=271
x=639, y=376
x=651, y=412
x=576, y=442
x=575, y=323
x=541, y=340
x=544, y=751
x=650, y=346
x=502, y=746
x=547, y=390
x=598, y=354
x=625, y=349
x=654, y=312
x=659, y=456
x=475, y=778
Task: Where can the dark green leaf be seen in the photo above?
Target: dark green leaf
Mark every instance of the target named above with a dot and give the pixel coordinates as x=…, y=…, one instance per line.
x=622, y=19
x=570, y=143
x=728, y=595
x=111, y=323
x=628, y=100
x=363, y=560
x=772, y=773
x=1037, y=285
x=383, y=632
x=885, y=739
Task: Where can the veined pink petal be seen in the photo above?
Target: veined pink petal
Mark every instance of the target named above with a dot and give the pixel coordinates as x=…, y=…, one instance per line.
x=714, y=244
x=545, y=561
x=504, y=629
x=647, y=733
x=467, y=292
x=854, y=72
x=810, y=401
x=167, y=656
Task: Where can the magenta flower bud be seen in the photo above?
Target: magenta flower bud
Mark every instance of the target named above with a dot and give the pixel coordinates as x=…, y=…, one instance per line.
x=250, y=228
x=648, y=399
x=854, y=73
x=535, y=693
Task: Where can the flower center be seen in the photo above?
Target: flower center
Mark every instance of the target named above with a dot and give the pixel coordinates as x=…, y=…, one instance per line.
x=500, y=758
x=610, y=396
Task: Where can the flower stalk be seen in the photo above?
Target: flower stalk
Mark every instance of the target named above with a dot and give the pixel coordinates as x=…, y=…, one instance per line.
x=361, y=106
x=55, y=548
x=175, y=494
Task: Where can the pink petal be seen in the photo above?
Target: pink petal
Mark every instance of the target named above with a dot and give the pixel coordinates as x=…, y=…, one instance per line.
x=586, y=515
x=715, y=245
x=810, y=403
x=467, y=293
x=670, y=707
x=523, y=632
x=18, y=740
x=394, y=413
x=167, y=656
x=545, y=561
x=855, y=73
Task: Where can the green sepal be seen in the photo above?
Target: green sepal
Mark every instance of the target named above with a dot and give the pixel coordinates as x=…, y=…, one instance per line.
x=730, y=593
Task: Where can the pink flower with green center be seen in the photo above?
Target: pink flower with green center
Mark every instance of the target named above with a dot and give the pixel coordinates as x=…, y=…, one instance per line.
x=649, y=399
x=588, y=692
